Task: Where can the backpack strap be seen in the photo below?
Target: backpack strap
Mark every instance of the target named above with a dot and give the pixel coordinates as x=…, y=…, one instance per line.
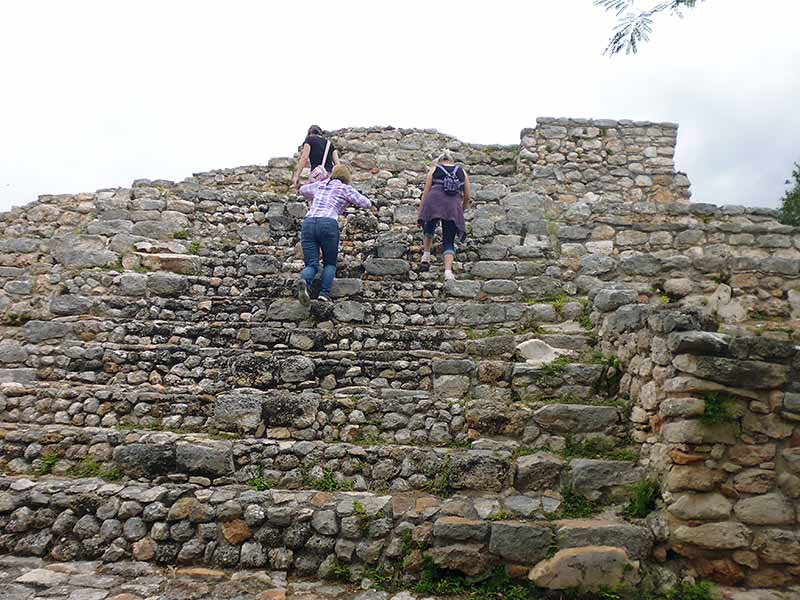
x=445, y=171
x=325, y=154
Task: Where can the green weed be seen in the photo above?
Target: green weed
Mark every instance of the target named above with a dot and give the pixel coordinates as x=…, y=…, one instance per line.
x=460, y=444
x=474, y=334
x=442, y=479
x=717, y=410
x=554, y=368
x=49, y=460
x=576, y=506
x=645, y=493
x=328, y=483
x=497, y=586
x=364, y=518
x=181, y=235
x=261, y=484
x=340, y=572
x=499, y=515
x=702, y=590
x=89, y=467
x=598, y=448
x=385, y=577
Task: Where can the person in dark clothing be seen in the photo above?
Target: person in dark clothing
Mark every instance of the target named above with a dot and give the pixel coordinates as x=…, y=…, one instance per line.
x=444, y=199
x=319, y=153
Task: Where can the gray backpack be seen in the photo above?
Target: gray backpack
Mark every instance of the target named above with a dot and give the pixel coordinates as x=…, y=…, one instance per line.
x=451, y=184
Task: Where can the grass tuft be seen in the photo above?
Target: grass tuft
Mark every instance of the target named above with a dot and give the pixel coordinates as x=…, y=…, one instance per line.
x=328, y=483
x=598, y=448
x=49, y=460
x=261, y=484
x=576, y=506
x=89, y=467
x=717, y=410
x=645, y=493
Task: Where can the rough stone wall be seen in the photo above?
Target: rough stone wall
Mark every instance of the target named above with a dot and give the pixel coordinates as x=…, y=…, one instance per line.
x=168, y=306
x=730, y=483
x=629, y=160
x=313, y=532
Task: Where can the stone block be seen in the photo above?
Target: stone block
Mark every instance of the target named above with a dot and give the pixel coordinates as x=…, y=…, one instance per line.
x=538, y=471
x=520, y=543
x=208, y=459
x=727, y=535
x=241, y=410
x=590, y=569
x=460, y=529
x=576, y=418
x=386, y=266
x=635, y=540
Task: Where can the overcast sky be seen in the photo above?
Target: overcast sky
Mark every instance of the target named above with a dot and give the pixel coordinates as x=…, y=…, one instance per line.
x=97, y=94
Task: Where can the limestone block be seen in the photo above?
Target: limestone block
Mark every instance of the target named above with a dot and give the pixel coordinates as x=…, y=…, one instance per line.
x=184, y=264
x=702, y=507
x=714, y=536
x=538, y=353
x=767, y=509
x=587, y=568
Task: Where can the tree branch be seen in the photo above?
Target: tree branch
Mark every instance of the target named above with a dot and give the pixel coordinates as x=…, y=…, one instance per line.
x=635, y=27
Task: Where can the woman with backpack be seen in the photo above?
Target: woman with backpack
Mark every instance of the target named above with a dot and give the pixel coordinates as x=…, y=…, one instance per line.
x=319, y=153
x=444, y=199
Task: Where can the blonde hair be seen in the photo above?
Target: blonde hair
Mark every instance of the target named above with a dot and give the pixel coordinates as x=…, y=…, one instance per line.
x=342, y=173
x=445, y=156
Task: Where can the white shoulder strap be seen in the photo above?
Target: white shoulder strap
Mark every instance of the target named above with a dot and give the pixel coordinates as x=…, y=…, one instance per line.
x=325, y=155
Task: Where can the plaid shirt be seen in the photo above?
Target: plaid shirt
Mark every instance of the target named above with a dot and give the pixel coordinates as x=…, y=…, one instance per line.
x=331, y=198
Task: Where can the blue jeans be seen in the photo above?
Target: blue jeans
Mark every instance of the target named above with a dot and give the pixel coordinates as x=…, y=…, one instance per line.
x=319, y=233
x=449, y=232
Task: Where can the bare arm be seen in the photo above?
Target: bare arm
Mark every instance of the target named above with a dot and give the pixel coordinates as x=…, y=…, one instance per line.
x=467, y=193
x=301, y=164
x=335, y=157
x=428, y=183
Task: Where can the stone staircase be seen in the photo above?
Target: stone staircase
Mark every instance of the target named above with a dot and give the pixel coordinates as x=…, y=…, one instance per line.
x=164, y=398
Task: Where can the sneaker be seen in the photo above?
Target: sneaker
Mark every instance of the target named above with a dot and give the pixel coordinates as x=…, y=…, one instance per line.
x=426, y=259
x=448, y=276
x=324, y=299
x=302, y=293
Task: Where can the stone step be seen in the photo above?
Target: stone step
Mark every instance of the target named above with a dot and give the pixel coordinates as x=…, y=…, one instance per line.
x=348, y=414
x=98, y=352
x=221, y=459
x=506, y=276
x=305, y=533
x=283, y=308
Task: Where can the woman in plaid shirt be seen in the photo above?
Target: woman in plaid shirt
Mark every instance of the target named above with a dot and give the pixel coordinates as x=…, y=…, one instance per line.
x=320, y=229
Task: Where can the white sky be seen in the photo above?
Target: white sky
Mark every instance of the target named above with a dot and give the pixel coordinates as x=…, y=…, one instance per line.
x=96, y=94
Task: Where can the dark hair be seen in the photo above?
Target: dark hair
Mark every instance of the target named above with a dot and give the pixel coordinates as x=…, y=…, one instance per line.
x=315, y=130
